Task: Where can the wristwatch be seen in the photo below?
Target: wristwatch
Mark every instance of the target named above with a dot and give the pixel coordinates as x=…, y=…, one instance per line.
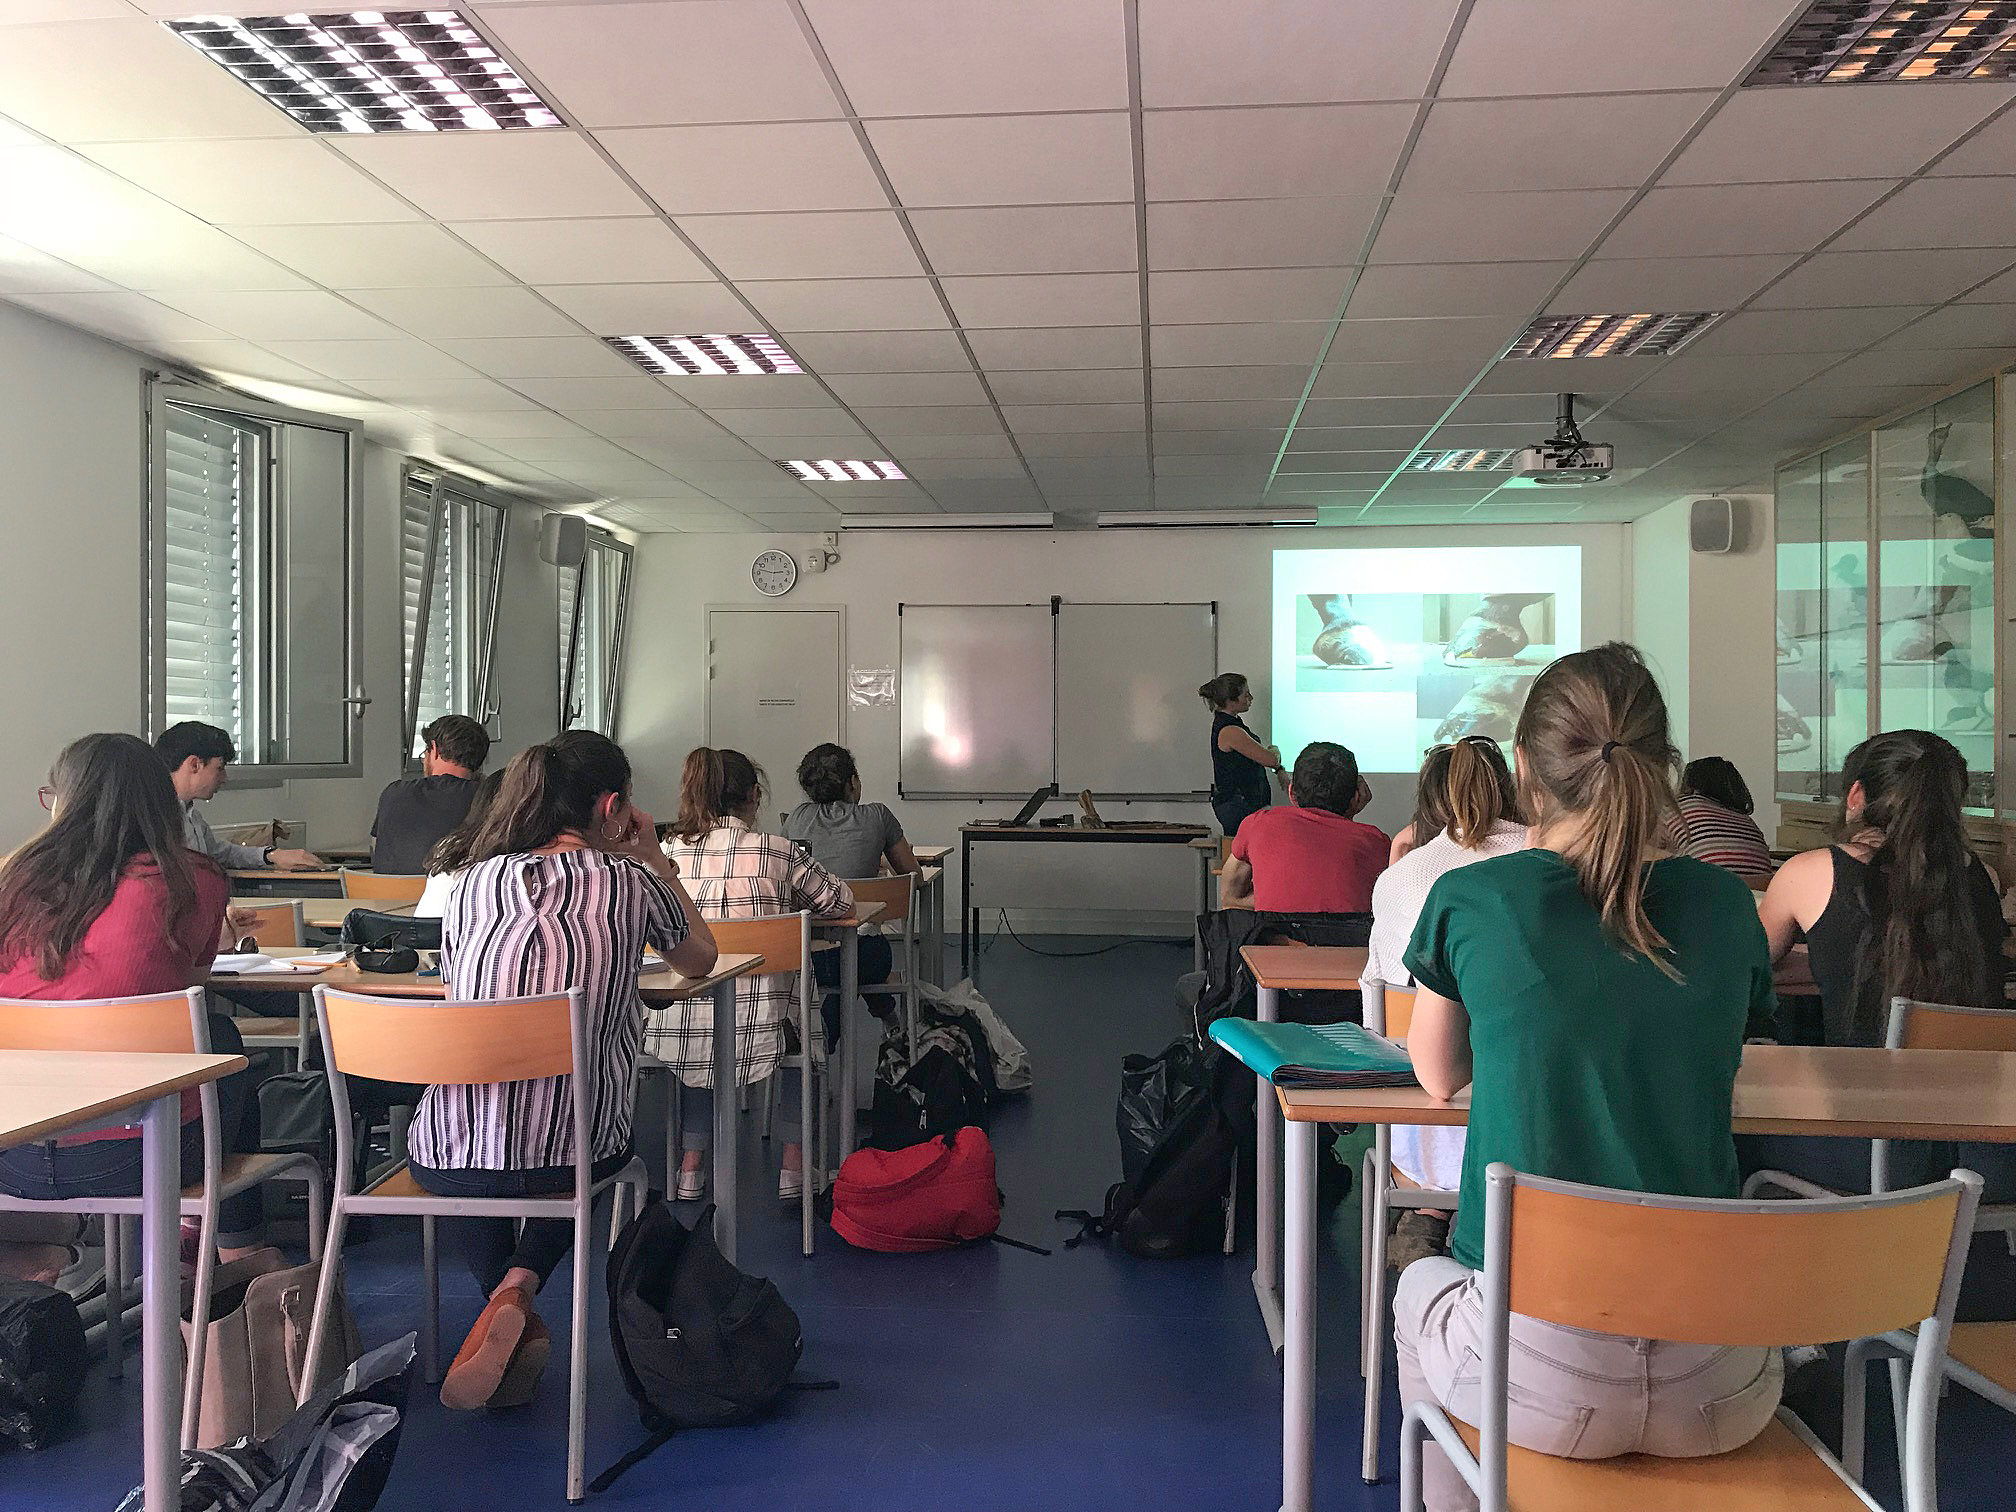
x=266, y=856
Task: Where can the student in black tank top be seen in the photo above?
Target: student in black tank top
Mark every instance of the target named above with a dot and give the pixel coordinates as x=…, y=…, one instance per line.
x=1239, y=763
x=1901, y=907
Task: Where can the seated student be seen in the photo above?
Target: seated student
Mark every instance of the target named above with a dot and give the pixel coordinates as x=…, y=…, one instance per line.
x=1713, y=823
x=450, y=857
x=109, y=902
x=1592, y=993
x=851, y=839
x=1899, y=907
x=565, y=887
x=1470, y=784
x=1431, y=805
x=197, y=755
x=737, y=872
x=1312, y=855
x=415, y=812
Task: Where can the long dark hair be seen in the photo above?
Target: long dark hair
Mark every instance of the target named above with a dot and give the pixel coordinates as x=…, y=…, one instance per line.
x=1924, y=937
x=114, y=803
x=451, y=851
x=1594, y=742
x=713, y=785
x=1431, y=795
x=547, y=791
x=1716, y=779
x=1481, y=795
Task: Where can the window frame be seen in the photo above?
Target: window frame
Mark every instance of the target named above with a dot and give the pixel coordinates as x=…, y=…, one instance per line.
x=570, y=648
x=262, y=599
x=443, y=488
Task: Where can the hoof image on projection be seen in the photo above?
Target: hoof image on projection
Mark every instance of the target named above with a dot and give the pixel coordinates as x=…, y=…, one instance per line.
x=1490, y=708
x=1789, y=651
x=1345, y=641
x=1919, y=636
x=1794, y=734
x=1494, y=634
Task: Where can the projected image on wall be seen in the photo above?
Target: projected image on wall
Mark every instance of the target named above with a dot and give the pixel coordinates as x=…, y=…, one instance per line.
x=1390, y=673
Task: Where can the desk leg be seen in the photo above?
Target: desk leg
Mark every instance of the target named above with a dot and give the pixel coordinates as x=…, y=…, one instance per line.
x=968, y=967
x=726, y=1128
x=1266, y=1190
x=1298, y=1355
x=850, y=988
x=936, y=918
x=1203, y=904
x=160, y=1302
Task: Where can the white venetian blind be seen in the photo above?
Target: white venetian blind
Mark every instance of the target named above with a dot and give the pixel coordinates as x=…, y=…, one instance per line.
x=435, y=692
x=209, y=469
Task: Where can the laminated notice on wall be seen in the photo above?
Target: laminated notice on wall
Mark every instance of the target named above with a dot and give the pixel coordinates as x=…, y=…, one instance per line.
x=871, y=687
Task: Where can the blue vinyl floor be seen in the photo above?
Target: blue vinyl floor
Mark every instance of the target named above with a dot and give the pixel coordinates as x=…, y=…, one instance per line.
x=986, y=1380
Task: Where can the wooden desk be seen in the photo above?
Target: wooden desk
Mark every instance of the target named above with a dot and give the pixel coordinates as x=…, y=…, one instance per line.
x=1781, y=1089
x=1061, y=834
x=326, y=913
x=931, y=938
x=931, y=855
x=847, y=932
x=44, y=1092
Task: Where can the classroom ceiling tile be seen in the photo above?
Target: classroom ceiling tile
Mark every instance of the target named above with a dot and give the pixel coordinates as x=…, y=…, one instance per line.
x=1339, y=379
x=1278, y=233
x=1247, y=295
x=1991, y=150
x=731, y=60
x=750, y=391
x=831, y=352
x=1461, y=338
x=1938, y=213
x=946, y=57
x=1515, y=47
x=397, y=255
x=1007, y=160
x=1594, y=377
x=1053, y=418
x=121, y=315
x=836, y=424
x=1339, y=150
x=1453, y=289
x=509, y=425
x=494, y=175
x=1879, y=278
x=1029, y=239
x=930, y=420
x=539, y=357
x=1227, y=414
x=25, y=270
x=1495, y=226
x=1312, y=435
x=985, y=494
x=283, y=315
x=299, y=181
x=848, y=304
x=1666, y=283
x=429, y=313
x=145, y=84
x=1870, y=131
x=828, y=244
x=1070, y=386
x=233, y=361
x=1418, y=411
x=909, y=446
x=908, y=388
x=1280, y=52
x=382, y=360
x=794, y=166
x=1284, y=342
x=653, y=309
x=1935, y=368
x=435, y=396
x=1270, y=381
x=1130, y=443
x=1959, y=326
x=626, y=425
x=1618, y=140
x=1045, y=299
x=637, y=249
x=631, y=391
x=968, y=469
x=1999, y=290
x=1038, y=349
x=1740, y=219
x=796, y=522
x=868, y=498
x=1262, y=442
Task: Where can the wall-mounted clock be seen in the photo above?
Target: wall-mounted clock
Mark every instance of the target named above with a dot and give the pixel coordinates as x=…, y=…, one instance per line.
x=774, y=573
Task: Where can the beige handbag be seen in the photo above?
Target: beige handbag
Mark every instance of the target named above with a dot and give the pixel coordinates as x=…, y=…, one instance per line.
x=257, y=1343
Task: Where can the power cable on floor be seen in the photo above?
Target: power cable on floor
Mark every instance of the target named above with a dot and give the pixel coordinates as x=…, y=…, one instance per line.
x=1067, y=955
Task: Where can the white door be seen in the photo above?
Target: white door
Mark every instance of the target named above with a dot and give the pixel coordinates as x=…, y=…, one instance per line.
x=773, y=690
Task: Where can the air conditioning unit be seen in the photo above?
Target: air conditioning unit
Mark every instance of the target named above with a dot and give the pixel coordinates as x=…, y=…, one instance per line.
x=1565, y=458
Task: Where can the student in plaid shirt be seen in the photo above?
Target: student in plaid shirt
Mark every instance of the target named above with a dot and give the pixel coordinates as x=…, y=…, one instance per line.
x=735, y=872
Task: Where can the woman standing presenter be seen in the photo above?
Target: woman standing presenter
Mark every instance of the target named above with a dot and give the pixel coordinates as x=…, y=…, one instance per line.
x=1239, y=763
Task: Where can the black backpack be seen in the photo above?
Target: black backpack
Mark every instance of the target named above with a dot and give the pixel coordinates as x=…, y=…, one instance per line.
x=699, y=1343
x=42, y=1362
x=1180, y=1137
x=947, y=1086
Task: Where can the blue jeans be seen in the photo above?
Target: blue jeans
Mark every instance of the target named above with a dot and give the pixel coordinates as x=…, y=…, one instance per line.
x=492, y=1246
x=1233, y=812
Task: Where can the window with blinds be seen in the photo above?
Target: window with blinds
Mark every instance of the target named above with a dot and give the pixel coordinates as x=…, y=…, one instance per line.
x=594, y=604
x=211, y=466
x=452, y=559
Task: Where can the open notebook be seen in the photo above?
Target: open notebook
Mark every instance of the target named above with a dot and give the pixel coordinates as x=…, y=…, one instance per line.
x=1315, y=1056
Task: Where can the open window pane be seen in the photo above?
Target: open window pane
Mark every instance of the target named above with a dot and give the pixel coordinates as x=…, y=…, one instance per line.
x=593, y=602
x=211, y=465
x=452, y=554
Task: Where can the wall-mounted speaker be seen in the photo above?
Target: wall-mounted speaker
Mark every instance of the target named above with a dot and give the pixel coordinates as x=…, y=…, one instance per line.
x=563, y=540
x=1711, y=525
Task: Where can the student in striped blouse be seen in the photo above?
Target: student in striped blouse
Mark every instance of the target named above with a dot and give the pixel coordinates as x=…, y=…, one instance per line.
x=564, y=887
x=1713, y=822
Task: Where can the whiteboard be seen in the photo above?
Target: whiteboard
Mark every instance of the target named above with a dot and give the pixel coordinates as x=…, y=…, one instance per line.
x=1129, y=722
x=977, y=700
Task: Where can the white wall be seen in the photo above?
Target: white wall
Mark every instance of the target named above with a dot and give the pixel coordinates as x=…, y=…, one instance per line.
x=678, y=576
x=1660, y=599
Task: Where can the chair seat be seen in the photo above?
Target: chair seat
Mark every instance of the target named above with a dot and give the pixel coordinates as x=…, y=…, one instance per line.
x=251, y=1029
x=1989, y=1348
x=1775, y=1472
x=240, y=1173
x=398, y=1183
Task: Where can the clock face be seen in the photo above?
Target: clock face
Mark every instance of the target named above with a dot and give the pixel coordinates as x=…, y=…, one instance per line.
x=774, y=573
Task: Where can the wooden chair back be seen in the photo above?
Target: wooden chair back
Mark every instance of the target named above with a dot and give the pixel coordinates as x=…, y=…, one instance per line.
x=447, y=1044
x=1224, y=849
x=1399, y=1012
x=161, y=1023
x=1730, y=1273
x=1945, y=1026
x=278, y=924
x=382, y=887
x=895, y=894
x=781, y=939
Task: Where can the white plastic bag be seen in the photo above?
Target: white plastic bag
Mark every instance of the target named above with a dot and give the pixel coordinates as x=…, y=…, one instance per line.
x=1011, y=1057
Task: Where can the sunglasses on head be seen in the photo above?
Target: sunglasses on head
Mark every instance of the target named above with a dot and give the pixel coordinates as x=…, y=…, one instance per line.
x=1450, y=745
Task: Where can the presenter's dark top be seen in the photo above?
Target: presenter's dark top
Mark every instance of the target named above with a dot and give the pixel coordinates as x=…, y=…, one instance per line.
x=413, y=815
x=1236, y=776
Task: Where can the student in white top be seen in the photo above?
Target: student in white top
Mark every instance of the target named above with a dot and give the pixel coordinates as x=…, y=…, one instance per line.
x=450, y=856
x=1468, y=789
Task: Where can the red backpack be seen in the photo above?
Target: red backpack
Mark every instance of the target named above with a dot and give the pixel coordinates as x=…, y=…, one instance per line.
x=936, y=1195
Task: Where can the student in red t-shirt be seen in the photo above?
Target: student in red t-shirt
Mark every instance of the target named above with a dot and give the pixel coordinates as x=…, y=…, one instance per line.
x=109, y=902
x=1314, y=856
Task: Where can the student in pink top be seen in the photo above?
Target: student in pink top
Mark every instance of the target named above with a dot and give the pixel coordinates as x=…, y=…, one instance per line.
x=1312, y=856
x=106, y=902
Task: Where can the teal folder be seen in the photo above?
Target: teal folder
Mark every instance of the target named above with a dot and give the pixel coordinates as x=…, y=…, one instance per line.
x=1316, y=1056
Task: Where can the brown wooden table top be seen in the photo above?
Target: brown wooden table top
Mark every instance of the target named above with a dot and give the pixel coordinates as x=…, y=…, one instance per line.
x=1305, y=968
x=652, y=986
x=44, y=1092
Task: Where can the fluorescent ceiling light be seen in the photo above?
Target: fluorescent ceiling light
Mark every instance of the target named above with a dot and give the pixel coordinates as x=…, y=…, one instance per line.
x=1475, y=459
x=1031, y=520
x=1167, y=518
x=1611, y=335
x=371, y=71
x=1867, y=41
x=827, y=470
x=706, y=356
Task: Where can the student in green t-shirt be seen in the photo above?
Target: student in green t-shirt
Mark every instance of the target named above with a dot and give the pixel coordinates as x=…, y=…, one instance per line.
x=1593, y=992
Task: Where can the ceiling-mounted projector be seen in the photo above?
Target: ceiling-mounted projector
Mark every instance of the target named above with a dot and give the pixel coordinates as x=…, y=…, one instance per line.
x=1564, y=457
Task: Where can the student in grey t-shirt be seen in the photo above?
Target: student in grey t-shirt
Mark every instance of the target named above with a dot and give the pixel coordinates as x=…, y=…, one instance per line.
x=846, y=836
